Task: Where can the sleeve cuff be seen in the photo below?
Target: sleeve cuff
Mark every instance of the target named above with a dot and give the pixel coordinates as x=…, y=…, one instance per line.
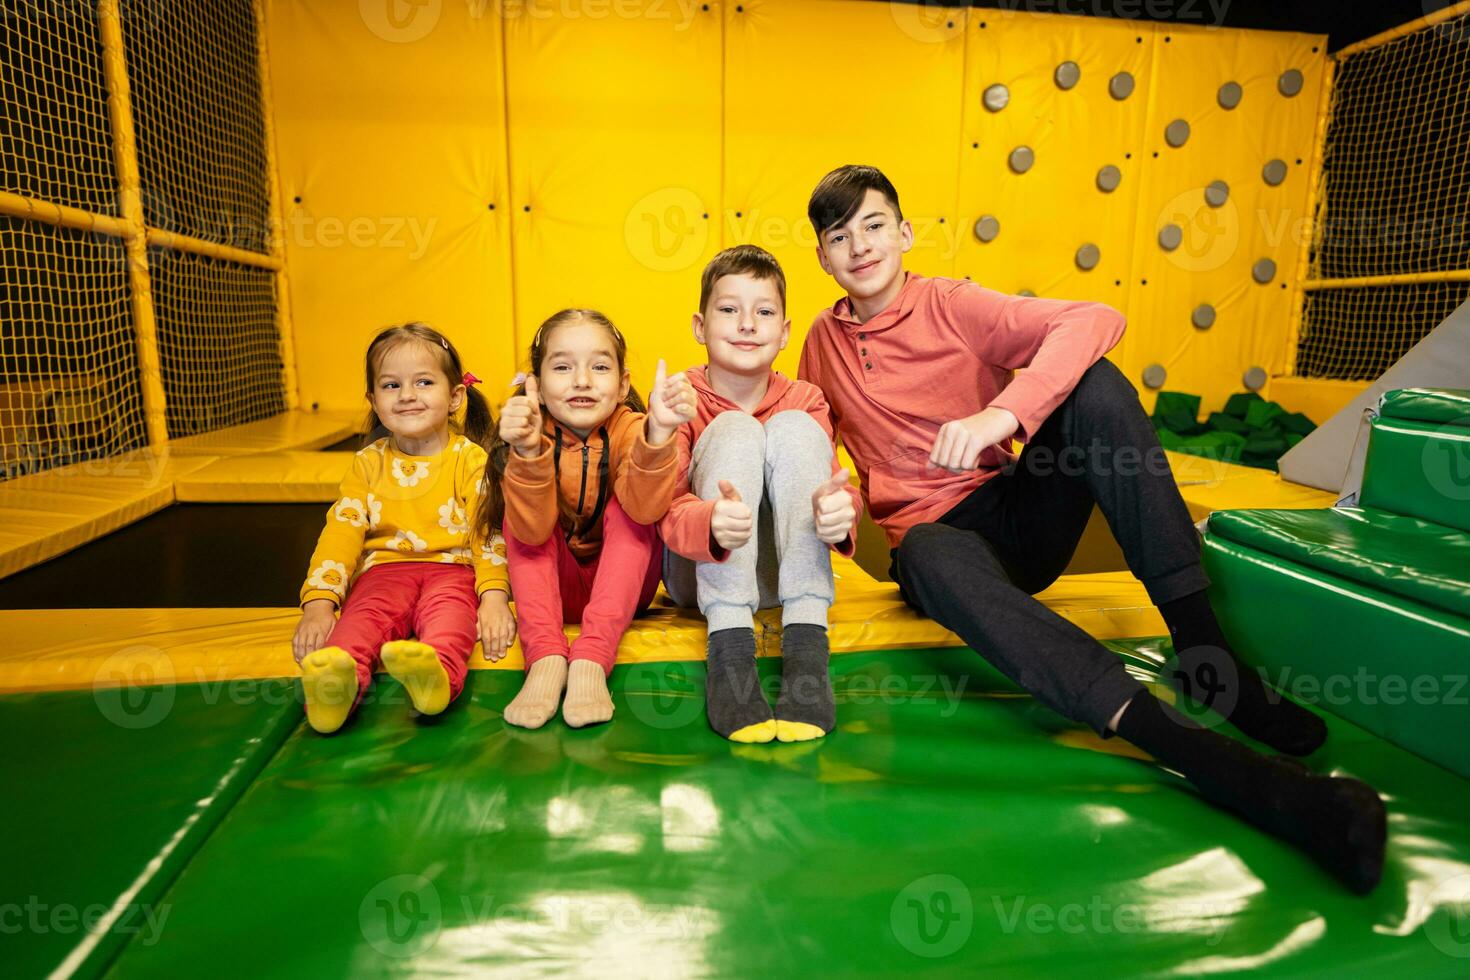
x=321, y=594
x=650, y=458
x=1025, y=398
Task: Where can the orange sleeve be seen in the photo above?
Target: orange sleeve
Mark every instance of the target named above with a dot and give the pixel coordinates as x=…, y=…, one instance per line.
x=643, y=480
x=686, y=527
x=815, y=404
x=530, y=490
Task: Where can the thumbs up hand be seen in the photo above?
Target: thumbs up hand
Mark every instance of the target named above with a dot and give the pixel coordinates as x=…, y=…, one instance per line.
x=832, y=509
x=732, y=523
x=520, y=421
x=671, y=403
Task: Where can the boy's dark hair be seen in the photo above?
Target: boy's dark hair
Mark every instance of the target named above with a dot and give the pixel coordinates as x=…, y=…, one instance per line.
x=742, y=260
x=841, y=193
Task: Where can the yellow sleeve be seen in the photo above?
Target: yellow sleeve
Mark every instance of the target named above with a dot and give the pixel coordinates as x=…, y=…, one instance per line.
x=341, y=541
x=487, y=547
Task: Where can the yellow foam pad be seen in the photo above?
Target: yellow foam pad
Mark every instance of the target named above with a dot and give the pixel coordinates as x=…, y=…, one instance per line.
x=56, y=649
x=304, y=430
x=266, y=478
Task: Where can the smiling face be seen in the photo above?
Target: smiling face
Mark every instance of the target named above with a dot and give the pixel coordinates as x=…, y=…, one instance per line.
x=581, y=381
x=411, y=394
x=744, y=325
x=865, y=253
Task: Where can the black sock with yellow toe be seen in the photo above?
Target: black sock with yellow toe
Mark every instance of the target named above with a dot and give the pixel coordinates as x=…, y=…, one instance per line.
x=805, y=709
x=737, y=706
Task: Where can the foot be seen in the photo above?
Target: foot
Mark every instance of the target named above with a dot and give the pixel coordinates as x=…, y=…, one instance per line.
x=540, y=694
x=329, y=681
x=734, y=701
x=587, y=701
x=1211, y=675
x=805, y=710
x=416, y=666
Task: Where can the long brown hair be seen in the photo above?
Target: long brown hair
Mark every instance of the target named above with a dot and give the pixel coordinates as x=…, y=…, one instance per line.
x=478, y=422
x=492, y=513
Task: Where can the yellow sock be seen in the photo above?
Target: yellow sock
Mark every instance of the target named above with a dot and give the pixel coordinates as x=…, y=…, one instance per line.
x=797, y=731
x=329, y=680
x=416, y=666
x=761, y=731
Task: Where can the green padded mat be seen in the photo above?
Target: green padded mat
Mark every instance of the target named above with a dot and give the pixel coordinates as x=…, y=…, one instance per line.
x=1447, y=405
x=949, y=826
x=1419, y=468
x=1403, y=556
x=108, y=794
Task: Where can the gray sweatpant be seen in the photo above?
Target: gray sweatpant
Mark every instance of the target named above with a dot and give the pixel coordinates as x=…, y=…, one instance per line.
x=776, y=466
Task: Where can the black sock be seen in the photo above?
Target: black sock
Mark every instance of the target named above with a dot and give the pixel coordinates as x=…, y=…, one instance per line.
x=806, y=687
x=732, y=691
x=1209, y=672
x=1340, y=822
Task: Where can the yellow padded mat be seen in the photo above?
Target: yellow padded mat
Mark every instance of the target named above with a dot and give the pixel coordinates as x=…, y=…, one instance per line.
x=266, y=478
x=301, y=430
x=56, y=649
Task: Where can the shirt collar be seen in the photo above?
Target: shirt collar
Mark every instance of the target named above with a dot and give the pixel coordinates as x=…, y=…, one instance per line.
x=893, y=313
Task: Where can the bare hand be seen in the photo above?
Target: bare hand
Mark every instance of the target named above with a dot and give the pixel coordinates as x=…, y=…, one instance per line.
x=497, y=624
x=833, y=510
x=520, y=421
x=671, y=403
x=959, y=443
x=731, y=524
x=317, y=619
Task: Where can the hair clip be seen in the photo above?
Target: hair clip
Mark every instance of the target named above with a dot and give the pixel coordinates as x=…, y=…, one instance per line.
x=469, y=380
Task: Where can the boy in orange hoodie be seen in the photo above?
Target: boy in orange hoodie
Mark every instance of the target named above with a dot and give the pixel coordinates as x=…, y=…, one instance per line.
x=759, y=503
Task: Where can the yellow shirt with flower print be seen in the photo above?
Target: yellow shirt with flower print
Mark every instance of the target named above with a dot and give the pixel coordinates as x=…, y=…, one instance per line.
x=392, y=507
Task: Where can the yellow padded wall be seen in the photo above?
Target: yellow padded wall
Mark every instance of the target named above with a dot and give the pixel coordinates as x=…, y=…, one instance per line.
x=615, y=162
x=391, y=131
x=813, y=85
x=1222, y=245
x=1054, y=208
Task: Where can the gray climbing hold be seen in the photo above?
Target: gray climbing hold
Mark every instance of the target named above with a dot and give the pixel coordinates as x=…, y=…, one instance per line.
x=1177, y=134
x=1121, y=86
x=1108, y=179
x=1217, y=194
x=1291, y=83
x=1230, y=94
x=997, y=97
x=1255, y=379
x=987, y=228
x=1068, y=75
x=1088, y=256
x=1203, y=317
x=1022, y=159
x=1274, y=173
x=1170, y=237
x=1154, y=376
x=1027, y=293
x=1264, y=271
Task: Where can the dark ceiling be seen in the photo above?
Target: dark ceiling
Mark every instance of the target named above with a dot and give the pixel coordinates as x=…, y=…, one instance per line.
x=1343, y=21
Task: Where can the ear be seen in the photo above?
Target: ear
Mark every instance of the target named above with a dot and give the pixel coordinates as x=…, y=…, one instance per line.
x=624, y=385
x=696, y=323
x=906, y=232
x=785, y=334
x=822, y=260
x=456, y=399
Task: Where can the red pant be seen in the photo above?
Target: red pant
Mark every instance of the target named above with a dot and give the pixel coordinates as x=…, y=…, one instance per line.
x=431, y=601
x=552, y=588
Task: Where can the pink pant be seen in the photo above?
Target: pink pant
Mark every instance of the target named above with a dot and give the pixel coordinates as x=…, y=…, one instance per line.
x=431, y=601
x=552, y=588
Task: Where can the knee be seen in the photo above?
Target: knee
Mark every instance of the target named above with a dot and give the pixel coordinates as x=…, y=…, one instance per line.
x=795, y=431
x=735, y=428
x=1103, y=385
x=920, y=546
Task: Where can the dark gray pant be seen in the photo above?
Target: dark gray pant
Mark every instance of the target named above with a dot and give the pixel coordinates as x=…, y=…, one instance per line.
x=976, y=570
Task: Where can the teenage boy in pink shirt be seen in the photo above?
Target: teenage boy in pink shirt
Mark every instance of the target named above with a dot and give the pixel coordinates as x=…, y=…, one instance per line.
x=928, y=381
x=759, y=504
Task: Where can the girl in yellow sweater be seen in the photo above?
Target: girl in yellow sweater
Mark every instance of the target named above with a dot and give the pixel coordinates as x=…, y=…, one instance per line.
x=401, y=535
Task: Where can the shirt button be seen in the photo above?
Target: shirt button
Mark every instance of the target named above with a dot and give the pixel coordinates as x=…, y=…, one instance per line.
x=865, y=352
x=862, y=336
x=869, y=367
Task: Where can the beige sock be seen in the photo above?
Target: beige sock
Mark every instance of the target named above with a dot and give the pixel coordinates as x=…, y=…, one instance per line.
x=587, y=701
x=540, y=694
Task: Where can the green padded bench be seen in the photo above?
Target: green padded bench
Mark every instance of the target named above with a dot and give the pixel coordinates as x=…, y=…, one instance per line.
x=1365, y=610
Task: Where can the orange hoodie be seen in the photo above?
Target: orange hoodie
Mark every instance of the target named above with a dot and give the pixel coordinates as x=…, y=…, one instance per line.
x=686, y=529
x=567, y=485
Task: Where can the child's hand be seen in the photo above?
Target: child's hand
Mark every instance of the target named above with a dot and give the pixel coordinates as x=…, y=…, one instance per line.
x=497, y=624
x=959, y=443
x=317, y=619
x=731, y=524
x=520, y=421
x=832, y=509
x=671, y=403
